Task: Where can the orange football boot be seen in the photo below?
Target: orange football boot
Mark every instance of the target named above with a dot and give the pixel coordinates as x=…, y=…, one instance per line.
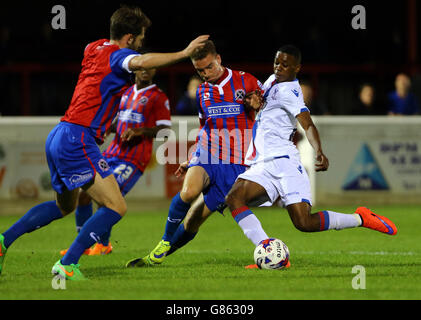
x=376, y=222
x=100, y=249
x=254, y=266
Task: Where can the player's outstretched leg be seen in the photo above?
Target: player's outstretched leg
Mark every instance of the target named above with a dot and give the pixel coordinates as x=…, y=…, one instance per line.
x=305, y=221
x=36, y=218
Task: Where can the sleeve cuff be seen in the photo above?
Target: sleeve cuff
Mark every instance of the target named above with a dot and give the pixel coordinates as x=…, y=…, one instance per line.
x=126, y=61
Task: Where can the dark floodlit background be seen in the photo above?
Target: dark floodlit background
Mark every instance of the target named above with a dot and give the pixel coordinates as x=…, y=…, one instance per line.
x=39, y=66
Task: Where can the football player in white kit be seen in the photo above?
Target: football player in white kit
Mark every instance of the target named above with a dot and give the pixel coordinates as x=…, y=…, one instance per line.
x=276, y=172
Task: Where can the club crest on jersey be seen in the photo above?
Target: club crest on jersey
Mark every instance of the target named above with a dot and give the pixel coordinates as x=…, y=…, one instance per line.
x=194, y=160
x=103, y=165
x=206, y=96
x=239, y=95
x=143, y=100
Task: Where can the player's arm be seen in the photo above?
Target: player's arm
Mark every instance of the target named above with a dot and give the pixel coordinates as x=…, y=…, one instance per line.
x=112, y=128
x=131, y=133
x=155, y=60
x=254, y=95
x=253, y=100
x=313, y=137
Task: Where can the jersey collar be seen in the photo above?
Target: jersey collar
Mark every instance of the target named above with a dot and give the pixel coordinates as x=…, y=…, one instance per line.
x=136, y=92
x=222, y=83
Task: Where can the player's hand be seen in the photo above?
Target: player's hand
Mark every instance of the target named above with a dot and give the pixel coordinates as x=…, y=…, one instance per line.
x=130, y=133
x=107, y=133
x=182, y=169
x=196, y=43
x=254, y=100
x=322, y=162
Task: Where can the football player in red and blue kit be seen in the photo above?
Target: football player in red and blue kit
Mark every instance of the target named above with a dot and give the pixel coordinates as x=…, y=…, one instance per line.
x=225, y=132
x=74, y=158
x=144, y=110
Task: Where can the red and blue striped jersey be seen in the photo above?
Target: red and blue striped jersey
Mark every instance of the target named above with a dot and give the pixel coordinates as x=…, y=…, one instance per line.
x=144, y=108
x=103, y=79
x=226, y=125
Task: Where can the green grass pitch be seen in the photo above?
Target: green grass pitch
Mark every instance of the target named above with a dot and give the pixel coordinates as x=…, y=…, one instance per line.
x=211, y=267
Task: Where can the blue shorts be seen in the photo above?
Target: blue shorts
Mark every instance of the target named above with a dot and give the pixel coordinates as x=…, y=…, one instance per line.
x=221, y=180
x=125, y=173
x=73, y=157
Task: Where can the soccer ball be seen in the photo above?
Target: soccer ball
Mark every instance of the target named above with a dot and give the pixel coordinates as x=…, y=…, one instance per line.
x=271, y=254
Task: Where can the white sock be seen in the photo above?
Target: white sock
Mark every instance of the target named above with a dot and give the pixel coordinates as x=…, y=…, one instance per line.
x=338, y=221
x=252, y=228
x=250, y=225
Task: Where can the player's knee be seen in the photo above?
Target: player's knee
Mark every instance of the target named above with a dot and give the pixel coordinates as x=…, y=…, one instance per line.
x=122, y=208
x=118, y=206
x=188, y=195
x=233, y=200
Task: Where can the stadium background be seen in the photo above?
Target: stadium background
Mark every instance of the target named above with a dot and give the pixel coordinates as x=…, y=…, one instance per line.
x=39, y=65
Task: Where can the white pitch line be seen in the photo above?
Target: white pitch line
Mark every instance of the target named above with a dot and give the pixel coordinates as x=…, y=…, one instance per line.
x=370, y=253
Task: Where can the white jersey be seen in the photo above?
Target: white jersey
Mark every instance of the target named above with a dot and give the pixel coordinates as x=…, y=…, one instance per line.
x=276, y=123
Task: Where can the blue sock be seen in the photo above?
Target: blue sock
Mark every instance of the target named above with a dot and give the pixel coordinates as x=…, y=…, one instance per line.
x=83, y=213
x=178, y=210
x=91, y=232
x=105, y=238
x=37, y=217
x=180, y=238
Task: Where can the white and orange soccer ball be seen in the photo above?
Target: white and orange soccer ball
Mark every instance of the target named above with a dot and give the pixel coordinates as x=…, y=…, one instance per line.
x=271, y=254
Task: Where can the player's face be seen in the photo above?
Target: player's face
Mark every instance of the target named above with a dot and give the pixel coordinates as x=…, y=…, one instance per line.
x=285, y=67
x=145, y=75
x=209, y=68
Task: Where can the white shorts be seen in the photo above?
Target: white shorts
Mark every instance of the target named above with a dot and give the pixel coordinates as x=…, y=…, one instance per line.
x=284, y=180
